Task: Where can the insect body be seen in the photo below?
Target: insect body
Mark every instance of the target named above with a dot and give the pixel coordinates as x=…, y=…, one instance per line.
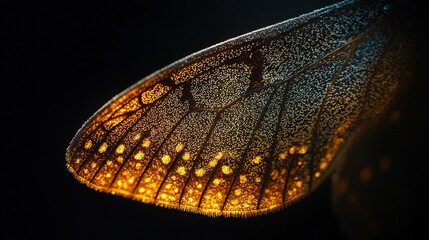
x=249, y=125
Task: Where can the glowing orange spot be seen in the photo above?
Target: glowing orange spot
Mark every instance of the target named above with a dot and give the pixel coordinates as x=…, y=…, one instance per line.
x=146, y=142
x=323, y=165
x=179, y=147
x=213, y=163
x=303, y=150
x=137, y=137
x=257, y=160
x=186, y=156
x=181, y=170
x=166, y=159
x=88, y=144
x=103, y=147
x=139, y=155
x=283, y=155
x=120, y=149
x=292, y=150
x=243, y=179
x=238, y=192
x=216, y=181
x=317, y=174
x=200, y=172
x=226, y=169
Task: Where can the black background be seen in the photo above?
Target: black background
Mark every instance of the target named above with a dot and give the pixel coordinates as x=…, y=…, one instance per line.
x=66, y=59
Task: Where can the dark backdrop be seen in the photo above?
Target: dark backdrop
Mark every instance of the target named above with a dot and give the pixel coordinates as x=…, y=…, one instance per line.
x=66, y=59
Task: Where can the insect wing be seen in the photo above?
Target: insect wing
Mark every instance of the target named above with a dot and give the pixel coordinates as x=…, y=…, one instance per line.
x=246, y=126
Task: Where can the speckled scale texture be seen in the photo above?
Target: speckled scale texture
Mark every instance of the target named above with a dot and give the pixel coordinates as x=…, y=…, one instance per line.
x=249, y=125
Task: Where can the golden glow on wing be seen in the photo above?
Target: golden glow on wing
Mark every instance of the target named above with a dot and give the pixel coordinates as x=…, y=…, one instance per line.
x=103, y=147
x=179, y=147
x=226, y=169
x=166, y=159
x=146, y=142
x=200, y=172
x=120, y=149
x=186, y=156
x=139, y=155
x=249, y=126
x=88, y=144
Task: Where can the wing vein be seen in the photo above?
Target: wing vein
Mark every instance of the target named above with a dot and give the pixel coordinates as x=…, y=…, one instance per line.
x=244, y=154
x=156, y=151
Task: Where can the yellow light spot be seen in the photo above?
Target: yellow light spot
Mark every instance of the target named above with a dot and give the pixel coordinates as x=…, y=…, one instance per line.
x=146, y=142
x=199, y=185
x=292, y=150
x=274, y=174
x=163, y=195
x=200, y=172
x=173, y=178
x=179, y=147
x=146, y=180
x=243, y=179
x=186, y=156
x=303, y=150
x=219, y=194
x=300, y=163
x=216, y=181
x=168, y=186
x=213, y=163
x=175, y=190
x=317, y=174
x=226, y=169
x=88, y=144
x=109, y=163
x=138, y=165
x=238, y=192
x=166, y=159
x=137, y=137
x=119, y=183
x=181, y=170
x=77, y=160
x=283, y=155
x=329, y=157
x=190, y=191
x=120, y=159
x=108, y=175
x=141, y=190
x=298, y=184
x=234, y=201
x=258, y=179
x=103, y=147
x=139, y=155
x=130, y=180
x=219, y=155
x=149, y=192
x=93, y=165
x=365, y=174
x=257, y=160
x=323, y=165
x=120, y=149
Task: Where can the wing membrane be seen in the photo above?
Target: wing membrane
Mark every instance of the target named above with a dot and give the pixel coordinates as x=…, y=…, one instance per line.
x=246, y=126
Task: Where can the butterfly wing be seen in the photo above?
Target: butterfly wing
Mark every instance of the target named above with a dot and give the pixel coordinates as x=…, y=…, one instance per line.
x=246, y=126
